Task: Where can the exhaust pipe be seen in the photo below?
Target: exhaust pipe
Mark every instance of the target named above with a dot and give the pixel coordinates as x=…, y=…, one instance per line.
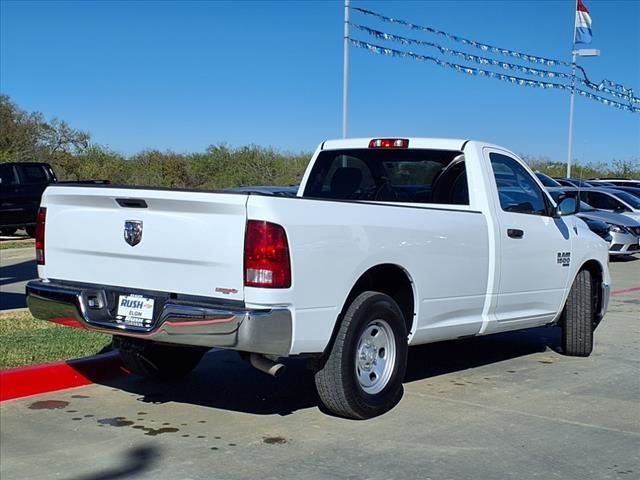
x=265, y=365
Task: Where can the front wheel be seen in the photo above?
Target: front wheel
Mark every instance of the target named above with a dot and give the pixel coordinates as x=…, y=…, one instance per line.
x=157, y=361
x=577, y=318
x=363, y=372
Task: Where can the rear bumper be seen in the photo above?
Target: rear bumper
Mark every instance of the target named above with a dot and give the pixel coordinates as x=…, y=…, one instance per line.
x=267, y=331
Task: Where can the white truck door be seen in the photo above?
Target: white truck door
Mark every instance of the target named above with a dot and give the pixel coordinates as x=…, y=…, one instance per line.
x=534, y=249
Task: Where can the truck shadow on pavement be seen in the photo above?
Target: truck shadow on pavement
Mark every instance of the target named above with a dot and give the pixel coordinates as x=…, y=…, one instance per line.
x=224, y=381
x=440, y=358
x=16, y=273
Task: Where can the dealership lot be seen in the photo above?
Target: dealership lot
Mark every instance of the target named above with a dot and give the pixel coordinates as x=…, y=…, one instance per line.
x=18, y=266
x=505, y=406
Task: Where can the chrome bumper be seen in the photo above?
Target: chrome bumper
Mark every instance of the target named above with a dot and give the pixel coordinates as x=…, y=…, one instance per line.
x=266, y=331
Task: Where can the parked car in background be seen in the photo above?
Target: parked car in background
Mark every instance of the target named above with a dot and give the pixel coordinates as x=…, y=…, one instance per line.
x=598, y=227
x=621, y=182
x=612, y=200
x=622, y=232
x=547, y=181
x=21, y=187
x=573, y=182
x=635, y=191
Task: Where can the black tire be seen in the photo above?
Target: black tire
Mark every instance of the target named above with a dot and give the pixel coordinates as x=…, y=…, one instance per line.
x=157, y=361
x=337, y=381
x=7, y=232
x=31, y=231
x=577, y=318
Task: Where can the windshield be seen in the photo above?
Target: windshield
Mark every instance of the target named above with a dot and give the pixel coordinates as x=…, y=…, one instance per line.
x=627, y=198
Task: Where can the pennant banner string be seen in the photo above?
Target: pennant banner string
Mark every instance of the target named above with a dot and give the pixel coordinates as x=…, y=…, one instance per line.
x=550, y=62
x=489, y=61
x=604, y=86
x=390, y=52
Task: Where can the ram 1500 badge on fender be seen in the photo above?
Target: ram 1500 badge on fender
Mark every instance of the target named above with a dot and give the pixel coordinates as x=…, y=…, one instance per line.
x=388, y=243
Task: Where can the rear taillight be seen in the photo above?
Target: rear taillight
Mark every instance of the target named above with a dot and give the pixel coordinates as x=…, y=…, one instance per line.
x=40, y=222
x=266, y=256
x=389, y=143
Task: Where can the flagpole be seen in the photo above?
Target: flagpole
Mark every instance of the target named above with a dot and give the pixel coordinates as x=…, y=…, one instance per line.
x=345, y=70
x=573, y=92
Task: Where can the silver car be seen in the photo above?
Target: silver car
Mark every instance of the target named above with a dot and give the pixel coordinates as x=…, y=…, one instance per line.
x=612, y=200
x=624, y=231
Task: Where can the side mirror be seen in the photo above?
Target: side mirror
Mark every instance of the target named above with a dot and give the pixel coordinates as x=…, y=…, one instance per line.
x=567, y=205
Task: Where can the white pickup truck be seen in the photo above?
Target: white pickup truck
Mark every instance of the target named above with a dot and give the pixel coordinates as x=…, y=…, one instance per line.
x=390, y=242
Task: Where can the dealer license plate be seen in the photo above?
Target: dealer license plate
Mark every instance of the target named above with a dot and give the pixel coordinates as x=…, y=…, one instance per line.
x=135, y=310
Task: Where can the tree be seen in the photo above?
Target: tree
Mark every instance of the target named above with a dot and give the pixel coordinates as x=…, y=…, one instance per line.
x=59, y=137
x=29, y=137
x=19, y=131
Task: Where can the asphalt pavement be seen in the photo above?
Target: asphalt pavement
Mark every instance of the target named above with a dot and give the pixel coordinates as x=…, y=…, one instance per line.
x=496, y=407
x=17, y=267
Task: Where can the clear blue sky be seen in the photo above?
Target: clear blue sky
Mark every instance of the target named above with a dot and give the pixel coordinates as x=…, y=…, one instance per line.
x=183, y=75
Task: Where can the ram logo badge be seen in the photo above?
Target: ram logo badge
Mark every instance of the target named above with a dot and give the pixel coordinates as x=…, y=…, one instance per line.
x=564, y=258
x=133, y=232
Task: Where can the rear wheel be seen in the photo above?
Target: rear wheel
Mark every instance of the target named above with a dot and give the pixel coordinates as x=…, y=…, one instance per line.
x=362, y=375
x=577, y=318
x=154, y=360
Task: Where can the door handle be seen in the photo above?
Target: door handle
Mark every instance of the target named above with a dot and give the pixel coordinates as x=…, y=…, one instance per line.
x=515, y=233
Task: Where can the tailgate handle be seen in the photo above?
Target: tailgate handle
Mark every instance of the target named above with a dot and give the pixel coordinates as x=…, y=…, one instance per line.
x=131, y=202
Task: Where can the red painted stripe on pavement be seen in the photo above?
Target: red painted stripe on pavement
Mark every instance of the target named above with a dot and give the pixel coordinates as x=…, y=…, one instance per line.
x=625, y=290
x=50, y=377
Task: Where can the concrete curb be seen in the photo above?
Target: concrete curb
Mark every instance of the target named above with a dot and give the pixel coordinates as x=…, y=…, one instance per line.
x=51, y=377
x=18, y=252
x=14, y=310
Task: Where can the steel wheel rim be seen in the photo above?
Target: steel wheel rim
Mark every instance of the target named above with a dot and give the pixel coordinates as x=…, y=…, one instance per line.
x=375, y=356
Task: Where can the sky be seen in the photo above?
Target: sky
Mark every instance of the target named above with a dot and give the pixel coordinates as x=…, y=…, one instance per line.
x=184, y=75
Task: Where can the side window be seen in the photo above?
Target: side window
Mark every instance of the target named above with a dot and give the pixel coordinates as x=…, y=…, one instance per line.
x=601, y=201
x=7, y=175
x=33, y=174
x=517, y=190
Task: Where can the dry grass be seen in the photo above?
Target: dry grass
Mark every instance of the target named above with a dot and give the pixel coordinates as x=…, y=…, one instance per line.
x=27, y=341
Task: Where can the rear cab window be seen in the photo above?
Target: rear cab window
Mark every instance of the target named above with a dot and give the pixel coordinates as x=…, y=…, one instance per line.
x=390, y=175
x=33, y=173
x=8, y=175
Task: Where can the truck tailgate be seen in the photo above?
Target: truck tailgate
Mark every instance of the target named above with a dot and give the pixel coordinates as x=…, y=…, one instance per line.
x=191, y=243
